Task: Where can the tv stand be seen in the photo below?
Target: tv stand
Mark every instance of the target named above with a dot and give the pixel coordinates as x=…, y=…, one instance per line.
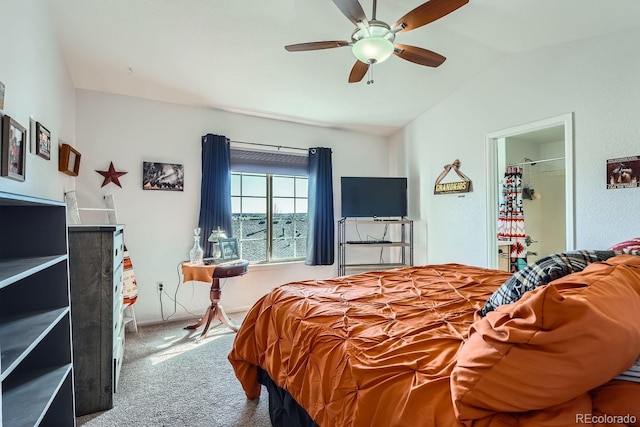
x=400, y=245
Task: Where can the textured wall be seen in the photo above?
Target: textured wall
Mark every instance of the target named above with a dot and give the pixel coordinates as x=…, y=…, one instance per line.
x=602, y=93
x=38, y=86
x=159, y=224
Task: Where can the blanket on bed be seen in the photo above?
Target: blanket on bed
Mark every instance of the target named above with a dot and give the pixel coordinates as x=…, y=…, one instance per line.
x=379, y=348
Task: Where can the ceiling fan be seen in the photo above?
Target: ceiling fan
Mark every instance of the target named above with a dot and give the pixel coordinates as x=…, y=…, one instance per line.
x=372, y=41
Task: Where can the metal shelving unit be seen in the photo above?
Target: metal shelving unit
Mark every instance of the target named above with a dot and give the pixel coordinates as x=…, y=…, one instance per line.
x=404, y=244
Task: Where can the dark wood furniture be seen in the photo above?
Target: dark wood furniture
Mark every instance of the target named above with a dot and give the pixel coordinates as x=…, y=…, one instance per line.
x=96, y=276
x=36, y=374
x=213, y=273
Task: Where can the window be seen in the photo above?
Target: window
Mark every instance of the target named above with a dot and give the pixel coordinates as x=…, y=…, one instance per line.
x=269, y=216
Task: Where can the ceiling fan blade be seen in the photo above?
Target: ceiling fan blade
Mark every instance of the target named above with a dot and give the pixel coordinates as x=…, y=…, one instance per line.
x=316, y=45
x=426, y=13
x=358, y=71
x=352, y=10
x=418, y=55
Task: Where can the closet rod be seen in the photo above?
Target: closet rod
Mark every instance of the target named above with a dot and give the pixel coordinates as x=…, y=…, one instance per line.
x=270, y=145
x=533, y=162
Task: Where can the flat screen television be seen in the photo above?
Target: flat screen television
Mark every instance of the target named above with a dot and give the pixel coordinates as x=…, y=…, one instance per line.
x=374, y=196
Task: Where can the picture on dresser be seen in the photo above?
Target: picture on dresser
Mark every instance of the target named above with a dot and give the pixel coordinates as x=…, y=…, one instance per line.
x=162, y=176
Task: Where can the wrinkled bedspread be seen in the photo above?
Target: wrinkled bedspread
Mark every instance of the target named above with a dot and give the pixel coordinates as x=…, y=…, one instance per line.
x=372, y=349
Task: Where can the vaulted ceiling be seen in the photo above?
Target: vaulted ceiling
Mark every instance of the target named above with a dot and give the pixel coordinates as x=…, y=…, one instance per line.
x=229, y=54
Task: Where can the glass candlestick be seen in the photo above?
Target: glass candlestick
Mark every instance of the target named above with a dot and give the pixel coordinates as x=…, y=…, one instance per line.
x=196, y=253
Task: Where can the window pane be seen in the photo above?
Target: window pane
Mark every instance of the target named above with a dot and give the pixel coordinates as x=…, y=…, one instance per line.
x=282, y=226
x=235, y=205
x=300, y=226
x=301, y=248
x=288, y=222
x=289, y=236
x=254, y=185
x=253, y=250
x=302, y=187
x=254, y=205
x=253, y=227
x=281, y=205
x=302, y=206
x=250, y=230
x=235, y=184
x=283, y=249
x=283, y=186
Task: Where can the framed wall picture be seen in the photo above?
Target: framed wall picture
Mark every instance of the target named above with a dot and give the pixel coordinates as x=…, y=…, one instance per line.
x=43, y=141
x=14, y=149
x=69, y=160
x=229, y=249
x=623, y=172
x=162, y=176
x=1, y=96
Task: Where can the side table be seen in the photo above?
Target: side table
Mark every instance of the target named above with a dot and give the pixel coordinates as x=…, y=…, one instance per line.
x=213, y=273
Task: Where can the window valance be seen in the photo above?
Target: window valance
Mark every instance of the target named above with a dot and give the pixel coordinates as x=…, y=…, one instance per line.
x=269, y=162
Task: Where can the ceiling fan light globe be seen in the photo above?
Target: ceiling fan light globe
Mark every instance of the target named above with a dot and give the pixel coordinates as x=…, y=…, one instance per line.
x=372, y=50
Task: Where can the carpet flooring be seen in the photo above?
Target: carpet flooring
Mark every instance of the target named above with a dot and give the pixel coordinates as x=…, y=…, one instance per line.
x=169, y=378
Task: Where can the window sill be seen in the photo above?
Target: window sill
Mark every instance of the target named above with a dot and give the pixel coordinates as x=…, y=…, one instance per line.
x=276, y=265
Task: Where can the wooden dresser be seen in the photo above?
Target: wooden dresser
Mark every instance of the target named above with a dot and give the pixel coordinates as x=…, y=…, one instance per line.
x=96, y=280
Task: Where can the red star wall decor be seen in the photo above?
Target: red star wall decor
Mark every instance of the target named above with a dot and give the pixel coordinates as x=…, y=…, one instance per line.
x=111, y=175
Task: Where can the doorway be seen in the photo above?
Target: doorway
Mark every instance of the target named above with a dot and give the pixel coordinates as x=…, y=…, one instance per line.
x=544, y=152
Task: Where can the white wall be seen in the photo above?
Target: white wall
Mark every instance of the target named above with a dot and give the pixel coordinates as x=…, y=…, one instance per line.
x=597, y=79
x=38, y=86
x=159, y=224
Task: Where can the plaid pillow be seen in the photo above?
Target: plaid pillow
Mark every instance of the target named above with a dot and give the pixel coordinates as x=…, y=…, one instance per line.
x=542, y=272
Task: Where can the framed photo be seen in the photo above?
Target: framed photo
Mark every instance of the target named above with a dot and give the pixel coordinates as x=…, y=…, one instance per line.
x=623, y=172
x=162, y=176
x=1, y=96
x=43, y=141
x=14, y=149
x=69, y=160
x=229, y=249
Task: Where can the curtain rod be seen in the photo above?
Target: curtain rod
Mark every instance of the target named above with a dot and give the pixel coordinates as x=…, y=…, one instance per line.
x=270, y=145
x=533, y=162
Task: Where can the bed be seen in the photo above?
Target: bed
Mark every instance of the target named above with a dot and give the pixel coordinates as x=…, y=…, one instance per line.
x=408, y=347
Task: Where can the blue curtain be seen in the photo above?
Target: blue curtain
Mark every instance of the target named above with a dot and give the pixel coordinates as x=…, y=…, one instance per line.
x=215, y=192
x=320, y=233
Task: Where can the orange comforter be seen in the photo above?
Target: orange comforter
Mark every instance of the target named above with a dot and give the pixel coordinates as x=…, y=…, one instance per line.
x=378, y=349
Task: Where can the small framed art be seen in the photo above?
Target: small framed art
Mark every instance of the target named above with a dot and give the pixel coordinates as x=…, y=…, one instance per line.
x=162, y=176
x=623, y=172
x=229, y=249
x=69, y=161
x=43, y=141
x=14, y=143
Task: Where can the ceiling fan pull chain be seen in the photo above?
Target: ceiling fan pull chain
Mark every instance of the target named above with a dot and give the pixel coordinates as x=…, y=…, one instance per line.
x=370, y=71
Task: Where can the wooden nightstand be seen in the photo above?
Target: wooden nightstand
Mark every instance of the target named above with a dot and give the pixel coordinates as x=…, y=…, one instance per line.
x=212, y=274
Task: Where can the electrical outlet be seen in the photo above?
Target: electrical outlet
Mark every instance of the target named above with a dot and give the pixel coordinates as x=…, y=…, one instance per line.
x=160, y=287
